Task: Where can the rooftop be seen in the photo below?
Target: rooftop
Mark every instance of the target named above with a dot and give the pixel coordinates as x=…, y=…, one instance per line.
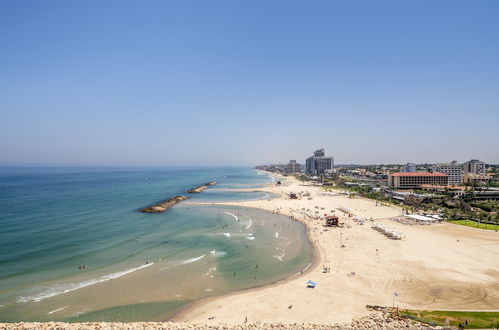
x=418, y=174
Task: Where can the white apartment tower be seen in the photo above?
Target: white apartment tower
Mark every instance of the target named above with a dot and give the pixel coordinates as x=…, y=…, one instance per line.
x=474, y=166
x=452, y=169
x=410, y=167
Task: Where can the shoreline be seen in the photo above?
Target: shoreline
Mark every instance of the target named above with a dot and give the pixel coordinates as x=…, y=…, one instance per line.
x=373, y=278
x=435, y=267
x=315, y=260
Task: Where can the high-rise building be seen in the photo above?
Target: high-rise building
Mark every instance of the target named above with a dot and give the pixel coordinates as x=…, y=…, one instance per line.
x=474, y=166
x=452, y=169
x=318, y=164
x=410, y=167
x=293, y=167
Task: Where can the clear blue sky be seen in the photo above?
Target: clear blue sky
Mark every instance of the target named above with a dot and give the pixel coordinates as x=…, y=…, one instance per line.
x=248, y=82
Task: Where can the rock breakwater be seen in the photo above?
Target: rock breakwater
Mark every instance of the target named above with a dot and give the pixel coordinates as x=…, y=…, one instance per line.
x=201, y=187
x=164, y=205
x=377, y=320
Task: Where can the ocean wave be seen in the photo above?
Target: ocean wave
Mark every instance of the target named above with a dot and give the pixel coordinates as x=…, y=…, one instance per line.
x=276, y=235
x=190, y=260
x=226, y=234
x=308, y=266
x=219, y=253
x=210, y=272
x=250, y=236
x=56, y=310
x=233, y=215
x=58, y=289
x=250, y=224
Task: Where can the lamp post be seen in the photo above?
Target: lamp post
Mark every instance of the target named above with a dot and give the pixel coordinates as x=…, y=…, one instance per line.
x=395, y=294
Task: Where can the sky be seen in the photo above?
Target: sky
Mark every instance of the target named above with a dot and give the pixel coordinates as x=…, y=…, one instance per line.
x=241, y=83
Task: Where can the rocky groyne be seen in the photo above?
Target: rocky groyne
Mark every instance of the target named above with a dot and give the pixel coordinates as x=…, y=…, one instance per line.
x=377, y=320
x=164, y=205
x=201, y=187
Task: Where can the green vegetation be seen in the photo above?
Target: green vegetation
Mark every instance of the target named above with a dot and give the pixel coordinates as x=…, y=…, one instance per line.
x=302, y=177
x=474, y=224
x=487, y=206
x=476, y=320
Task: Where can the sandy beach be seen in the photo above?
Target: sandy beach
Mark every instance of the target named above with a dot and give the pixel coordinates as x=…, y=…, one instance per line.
x=439, y=266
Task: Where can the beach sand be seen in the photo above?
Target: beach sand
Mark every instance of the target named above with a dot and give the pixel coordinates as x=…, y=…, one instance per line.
x=439, y=266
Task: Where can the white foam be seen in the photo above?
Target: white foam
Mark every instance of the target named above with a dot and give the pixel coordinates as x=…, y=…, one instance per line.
x=208, y=290
x=188, y=261
x=58, y=289
x=276, y=235
x=79, y=313
x=250, y=224
x=232, y=214
x=251, y=238
x=210, y=272
x=219, y=253
x=226, y=234
x=56, y=310
x=279, y=258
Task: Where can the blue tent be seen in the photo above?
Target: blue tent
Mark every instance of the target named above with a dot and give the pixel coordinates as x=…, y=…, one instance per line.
x=311, y=284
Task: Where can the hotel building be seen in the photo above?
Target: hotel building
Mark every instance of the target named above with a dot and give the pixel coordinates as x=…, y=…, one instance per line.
x=410, y=180
x=318, y=164
x=474, y=166
x=453, y=170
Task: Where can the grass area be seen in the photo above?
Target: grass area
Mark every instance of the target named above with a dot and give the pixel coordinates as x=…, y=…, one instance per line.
x=473, y=224
x=476, y=320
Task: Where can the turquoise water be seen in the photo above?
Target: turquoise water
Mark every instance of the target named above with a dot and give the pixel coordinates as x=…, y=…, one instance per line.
x=139, y=266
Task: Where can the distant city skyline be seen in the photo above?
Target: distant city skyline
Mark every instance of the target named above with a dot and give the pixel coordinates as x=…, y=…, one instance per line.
x=156, y=83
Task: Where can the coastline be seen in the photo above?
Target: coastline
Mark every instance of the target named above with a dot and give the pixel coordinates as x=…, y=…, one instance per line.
x=428, y=269
x=315, y=260
x=360, y=277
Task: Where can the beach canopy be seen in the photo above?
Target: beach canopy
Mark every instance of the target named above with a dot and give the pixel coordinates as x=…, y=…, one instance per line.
x=420, y=217
x=311, y=284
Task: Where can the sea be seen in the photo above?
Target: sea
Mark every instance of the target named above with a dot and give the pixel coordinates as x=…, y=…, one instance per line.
x=74, y=248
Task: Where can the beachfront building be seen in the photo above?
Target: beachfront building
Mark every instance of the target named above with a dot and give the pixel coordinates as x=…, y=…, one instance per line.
x=476, y=179
x=319, y=164
x=410, y=167
x=452, y=169
x=411, y=180
x=474, y=166
x=293, y=167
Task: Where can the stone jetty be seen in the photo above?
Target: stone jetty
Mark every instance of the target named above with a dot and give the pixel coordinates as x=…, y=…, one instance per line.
x=201, y=187
x=372, y=321
x=164, y=205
